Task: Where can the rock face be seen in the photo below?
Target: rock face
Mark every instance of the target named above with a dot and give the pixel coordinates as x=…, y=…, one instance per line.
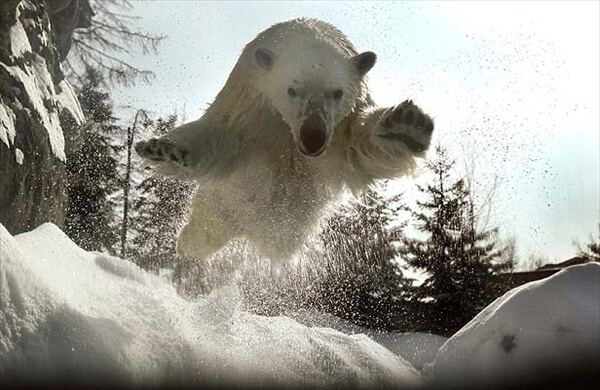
x=37, y=105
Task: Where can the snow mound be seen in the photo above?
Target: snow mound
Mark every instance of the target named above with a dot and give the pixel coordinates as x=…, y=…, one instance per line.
x=416, y=348
x=67, y=315
x=536, y=330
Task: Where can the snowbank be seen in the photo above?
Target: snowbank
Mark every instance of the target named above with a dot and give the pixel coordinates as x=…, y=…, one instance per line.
x=537, y=330
x=416, y=348
x=75, y=316
x=68, y=314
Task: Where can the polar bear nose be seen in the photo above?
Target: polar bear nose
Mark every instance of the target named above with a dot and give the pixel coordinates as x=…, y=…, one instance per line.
x=313, y=136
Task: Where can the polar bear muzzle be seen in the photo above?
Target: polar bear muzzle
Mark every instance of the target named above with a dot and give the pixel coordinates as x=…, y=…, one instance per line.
x=314, y=136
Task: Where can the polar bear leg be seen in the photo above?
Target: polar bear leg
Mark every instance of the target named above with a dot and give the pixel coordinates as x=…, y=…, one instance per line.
x=277, y=247
x=204, y=234
x=163, y=149
x=404, y=129
x=182, y=146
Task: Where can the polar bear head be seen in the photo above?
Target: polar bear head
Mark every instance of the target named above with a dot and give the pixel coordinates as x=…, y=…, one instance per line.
x=313, y=85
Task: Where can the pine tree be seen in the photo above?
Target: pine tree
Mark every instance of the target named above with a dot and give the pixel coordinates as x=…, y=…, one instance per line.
x=348, y=270
x=365, y=284
x=459, y=259
x=591, y=250
x=92, y=168
x=158, y=212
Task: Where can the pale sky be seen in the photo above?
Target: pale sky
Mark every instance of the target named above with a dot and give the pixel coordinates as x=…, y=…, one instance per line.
x=513, y=87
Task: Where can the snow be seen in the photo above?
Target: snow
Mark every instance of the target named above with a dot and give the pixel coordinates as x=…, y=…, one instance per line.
x=68, y=100
x=19, y=157
x=7, y=126
x=68, y=313
x=86, y=316
x=541, y=327
x=19, y=43
x=416, y=348
x=36, y=88
x=39, y=90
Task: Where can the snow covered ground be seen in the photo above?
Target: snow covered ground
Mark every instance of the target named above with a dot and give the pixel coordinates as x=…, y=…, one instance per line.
x=543, y=328
x=68, y=313
x=416, y=348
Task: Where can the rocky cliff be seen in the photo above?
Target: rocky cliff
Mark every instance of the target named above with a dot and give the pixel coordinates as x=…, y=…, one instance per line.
x=37, y=107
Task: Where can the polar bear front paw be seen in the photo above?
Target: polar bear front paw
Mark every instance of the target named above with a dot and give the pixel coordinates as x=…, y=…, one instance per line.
x=405, y=126
x=161, y=149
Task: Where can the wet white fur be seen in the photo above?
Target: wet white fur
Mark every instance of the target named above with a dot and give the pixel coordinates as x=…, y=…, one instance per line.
x=253, y=182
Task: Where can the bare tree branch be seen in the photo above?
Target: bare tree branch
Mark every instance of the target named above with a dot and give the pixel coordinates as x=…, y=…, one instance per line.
x=111, y=37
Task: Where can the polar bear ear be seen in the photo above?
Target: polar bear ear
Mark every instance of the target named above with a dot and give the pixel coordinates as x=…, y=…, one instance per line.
x=364, y=62
x=264, y=58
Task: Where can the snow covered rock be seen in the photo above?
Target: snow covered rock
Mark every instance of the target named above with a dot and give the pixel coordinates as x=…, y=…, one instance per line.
x=67, y=315
x=36, y=106
x=537, y=330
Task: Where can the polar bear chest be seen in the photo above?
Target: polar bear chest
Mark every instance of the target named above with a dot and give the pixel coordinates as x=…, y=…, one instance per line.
x=286, y=192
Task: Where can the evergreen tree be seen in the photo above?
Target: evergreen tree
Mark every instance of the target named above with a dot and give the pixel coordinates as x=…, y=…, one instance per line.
x=348, y=271
x=92, y=169
x=158, y=212
x=365, y=283
x=591, y=250
x=459, y=259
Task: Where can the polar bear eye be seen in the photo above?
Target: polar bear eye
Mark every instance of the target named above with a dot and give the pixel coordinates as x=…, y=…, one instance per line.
x=292, y=92
x=337, y=94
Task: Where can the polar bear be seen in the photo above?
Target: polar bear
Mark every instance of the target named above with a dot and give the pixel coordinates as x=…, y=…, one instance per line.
x=291, y=130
